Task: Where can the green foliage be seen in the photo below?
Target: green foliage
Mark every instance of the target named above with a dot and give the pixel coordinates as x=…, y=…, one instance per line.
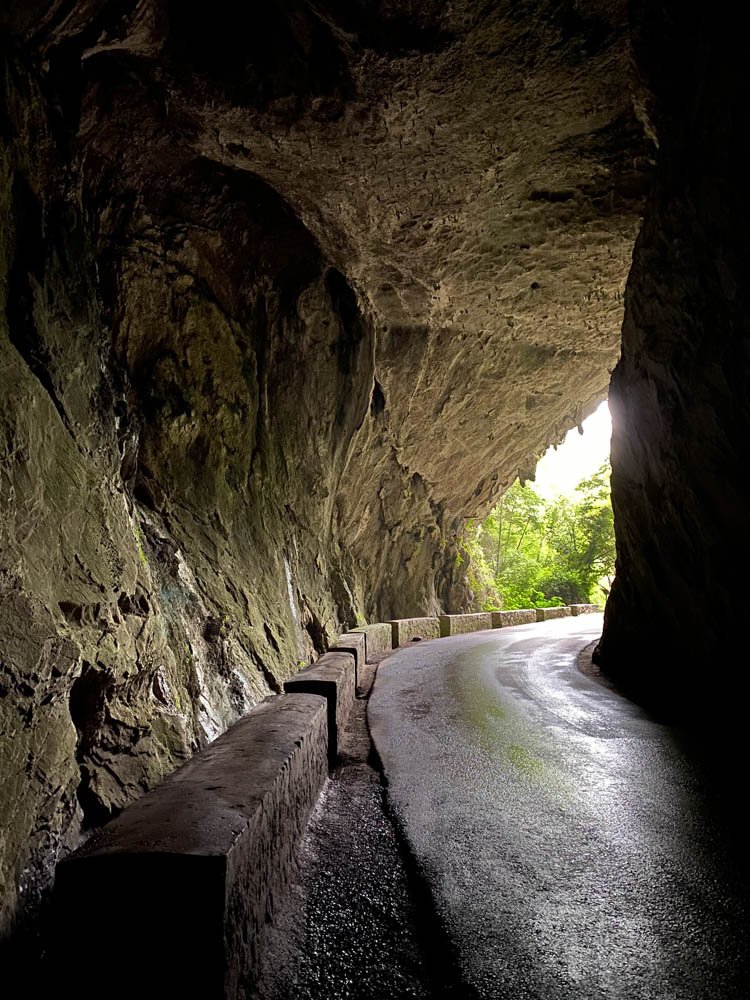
x=534, y=553
x=481, y=580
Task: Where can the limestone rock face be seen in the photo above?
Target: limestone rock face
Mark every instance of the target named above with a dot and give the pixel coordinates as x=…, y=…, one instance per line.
x=680, y=392
x=289, y=291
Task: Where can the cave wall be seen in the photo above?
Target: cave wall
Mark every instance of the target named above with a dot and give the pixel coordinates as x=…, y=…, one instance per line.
x=167, y=556
x=143, y=605
x=287, y=295
x=680, y=393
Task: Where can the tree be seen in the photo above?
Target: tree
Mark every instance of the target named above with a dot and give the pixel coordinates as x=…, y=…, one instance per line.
x=595, y=513
x=512, y=526
x=583, y=538
x=531, y=552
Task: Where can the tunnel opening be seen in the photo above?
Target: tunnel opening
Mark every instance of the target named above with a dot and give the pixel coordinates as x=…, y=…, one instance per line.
x=549, y=541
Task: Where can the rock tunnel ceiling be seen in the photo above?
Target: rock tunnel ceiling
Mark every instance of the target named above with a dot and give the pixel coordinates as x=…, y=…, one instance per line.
x=288, y=293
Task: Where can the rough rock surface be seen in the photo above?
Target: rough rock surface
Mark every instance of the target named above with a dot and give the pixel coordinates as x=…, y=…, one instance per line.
x=680, y=395
x=287, y=292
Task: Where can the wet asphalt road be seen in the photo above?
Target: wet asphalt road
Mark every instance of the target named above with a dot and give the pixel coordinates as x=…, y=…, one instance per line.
x=574, y=848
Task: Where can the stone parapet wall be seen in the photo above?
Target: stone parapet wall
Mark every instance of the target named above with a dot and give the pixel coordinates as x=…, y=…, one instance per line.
x=217, y=837
x=523, y=616
x=355, y=644
x=378, y=638
x=196, y=864
x=459, y=624
x=547, y=614
x=406, y=629
x=333, y=677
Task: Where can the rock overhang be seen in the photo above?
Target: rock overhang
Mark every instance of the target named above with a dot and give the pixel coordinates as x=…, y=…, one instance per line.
x=477, y=174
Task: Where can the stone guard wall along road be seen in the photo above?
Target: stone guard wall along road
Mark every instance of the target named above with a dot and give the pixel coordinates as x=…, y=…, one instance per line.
x=209, y=850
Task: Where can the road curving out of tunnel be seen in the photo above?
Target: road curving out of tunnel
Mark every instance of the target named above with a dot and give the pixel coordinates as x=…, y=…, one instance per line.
x=574, y=847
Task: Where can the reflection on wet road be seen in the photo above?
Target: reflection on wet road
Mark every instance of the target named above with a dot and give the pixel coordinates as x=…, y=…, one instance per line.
x=575, y=848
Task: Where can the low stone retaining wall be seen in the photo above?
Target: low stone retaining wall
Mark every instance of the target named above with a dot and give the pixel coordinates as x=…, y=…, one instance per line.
x=333, y=678
x=196, y=865
x=405, y=629
x=547, y=614
x=502, y=619
x=378, y=638
x=584, y=609
x=459, y=624
x=354, y=643
x=192, y=868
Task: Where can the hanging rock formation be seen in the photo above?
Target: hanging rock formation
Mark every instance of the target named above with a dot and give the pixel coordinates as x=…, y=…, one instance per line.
x=289, y=290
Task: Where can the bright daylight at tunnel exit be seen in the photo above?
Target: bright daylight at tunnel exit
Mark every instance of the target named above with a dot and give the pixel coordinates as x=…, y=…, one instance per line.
x=549, y=542
x=374, y=387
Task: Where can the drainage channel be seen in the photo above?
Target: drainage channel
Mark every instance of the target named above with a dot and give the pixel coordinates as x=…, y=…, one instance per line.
x=358, y=920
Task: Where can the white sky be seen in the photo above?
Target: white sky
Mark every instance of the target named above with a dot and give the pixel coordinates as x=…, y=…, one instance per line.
x=577, y=457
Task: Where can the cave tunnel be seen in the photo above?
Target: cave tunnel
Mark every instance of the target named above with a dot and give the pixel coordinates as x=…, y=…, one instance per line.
x=288, y=292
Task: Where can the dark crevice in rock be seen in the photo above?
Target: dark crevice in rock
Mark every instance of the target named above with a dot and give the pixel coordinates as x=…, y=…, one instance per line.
x=271, y=638
x=315, y=630
x=344, y=601
x=88, y=709
x=344, y=303
x=136, y=604
x=352, y=349
x=377, y=401
x=260, y=337
x=552, y=196
x=273, y=684
x=591, y=32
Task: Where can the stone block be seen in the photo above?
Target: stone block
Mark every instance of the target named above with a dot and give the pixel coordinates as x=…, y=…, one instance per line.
x=378, y=638
x=584, y=609
x=504, y=619
x=171, y=898
x=354, y=643
x=547, y=614
x=406, y=629
x=459, y=624
x=333, y=678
